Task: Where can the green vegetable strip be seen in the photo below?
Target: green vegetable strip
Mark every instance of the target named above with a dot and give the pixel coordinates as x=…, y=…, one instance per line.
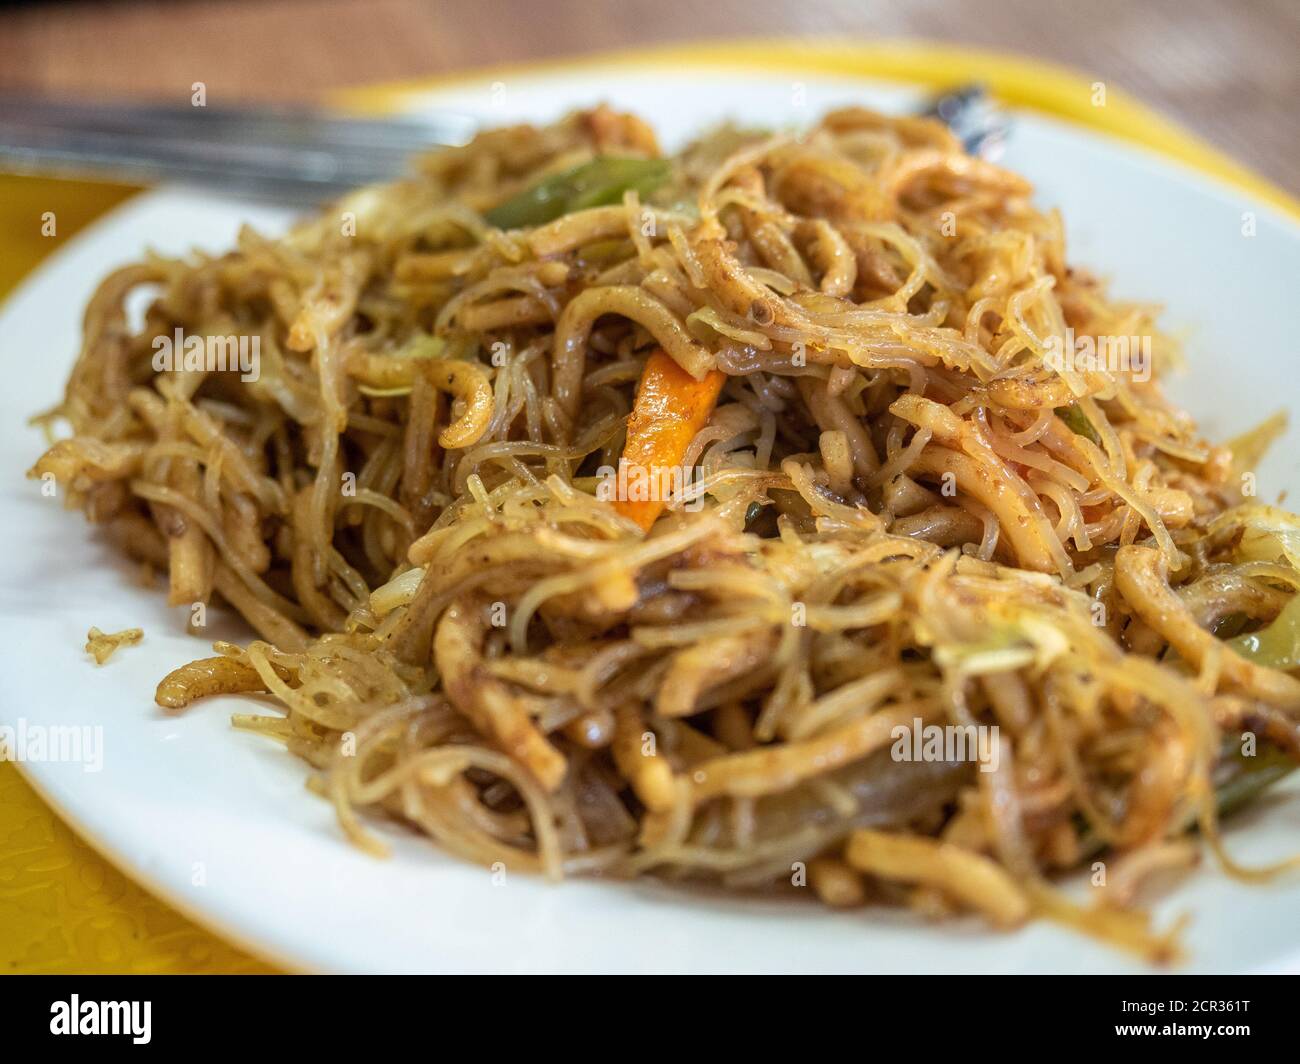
x=1278, y=645
x=1257, y=774
x=598, y=183
x=1078, y=423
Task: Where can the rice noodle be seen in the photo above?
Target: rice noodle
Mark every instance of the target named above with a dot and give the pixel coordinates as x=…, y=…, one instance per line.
x=902, y=512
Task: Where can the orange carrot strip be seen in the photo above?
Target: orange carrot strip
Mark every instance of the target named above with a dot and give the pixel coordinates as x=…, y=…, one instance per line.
x=671, y=407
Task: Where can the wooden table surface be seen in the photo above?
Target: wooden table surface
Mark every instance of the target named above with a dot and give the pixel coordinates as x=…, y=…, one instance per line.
x=1226, y=70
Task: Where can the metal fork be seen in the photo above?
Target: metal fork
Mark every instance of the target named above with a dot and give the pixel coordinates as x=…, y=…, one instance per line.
x=274, y=153
x=971, y=114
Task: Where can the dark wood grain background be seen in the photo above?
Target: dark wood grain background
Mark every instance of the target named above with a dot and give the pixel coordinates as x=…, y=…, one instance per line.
x=1227, y=69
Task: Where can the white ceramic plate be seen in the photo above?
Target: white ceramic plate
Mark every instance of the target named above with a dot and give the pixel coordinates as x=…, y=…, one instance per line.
x=218, y=822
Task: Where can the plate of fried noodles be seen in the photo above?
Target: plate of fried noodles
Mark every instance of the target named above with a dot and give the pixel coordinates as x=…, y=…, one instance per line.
x=695, y=526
